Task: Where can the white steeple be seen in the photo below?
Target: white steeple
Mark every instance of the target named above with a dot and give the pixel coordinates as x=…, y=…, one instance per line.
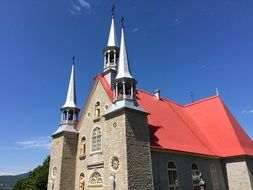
x=71, y=95
x=69, y=116
x=111, y=53
x=112, y=40
x=124, y=85
x=123, y=66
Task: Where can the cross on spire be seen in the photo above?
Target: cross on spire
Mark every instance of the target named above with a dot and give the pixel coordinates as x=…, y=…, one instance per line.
x=113, y=9
x=73, y=60
x=217, y=92
x=122, y=22
x=192, y=96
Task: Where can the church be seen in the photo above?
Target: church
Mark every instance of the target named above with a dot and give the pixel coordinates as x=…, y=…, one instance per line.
x=126, y=138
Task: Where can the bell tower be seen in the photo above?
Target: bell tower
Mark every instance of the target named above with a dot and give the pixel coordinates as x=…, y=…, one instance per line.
x=64, y=143
x=130, y=130
x=111, y=52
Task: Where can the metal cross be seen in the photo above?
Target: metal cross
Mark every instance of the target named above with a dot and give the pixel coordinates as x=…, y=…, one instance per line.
x=73, y=60
x=122, y=22
x=113, y=9
x=192, y=96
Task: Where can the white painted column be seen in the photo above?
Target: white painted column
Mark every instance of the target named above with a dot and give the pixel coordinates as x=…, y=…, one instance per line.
x=116, y=92
x=114, y=56
x=132, y=91
x=62, y=116
x=108, y=57
x=104, y=59
x=124, y=89
x=67, y=119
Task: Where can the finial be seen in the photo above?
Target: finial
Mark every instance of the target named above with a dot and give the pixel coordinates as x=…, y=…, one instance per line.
x=122, y=22
x=217, y=92
x=73, y=60
x=192, y=96
x=113, y=9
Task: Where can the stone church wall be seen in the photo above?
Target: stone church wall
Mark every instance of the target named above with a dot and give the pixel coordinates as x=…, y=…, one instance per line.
x=183, y=163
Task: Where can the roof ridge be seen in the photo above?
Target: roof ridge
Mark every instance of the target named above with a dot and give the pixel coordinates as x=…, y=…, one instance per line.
x=162, y=98
x=202, y=100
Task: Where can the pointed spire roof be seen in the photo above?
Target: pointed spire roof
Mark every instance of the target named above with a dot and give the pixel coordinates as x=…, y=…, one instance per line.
x=123, y=66
x=71, y=96
x=112, y=41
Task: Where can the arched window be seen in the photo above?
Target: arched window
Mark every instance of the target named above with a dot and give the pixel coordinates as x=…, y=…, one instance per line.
x=83, y=146
x=81, y=181
x=97, y=109
x=195, y=177
x=96, y=139
x=172, y=174
x=95, y=179
x=214, y=177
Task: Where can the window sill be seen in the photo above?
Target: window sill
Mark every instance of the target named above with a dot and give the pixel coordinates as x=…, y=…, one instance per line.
x=96, y=152
x=95, y=185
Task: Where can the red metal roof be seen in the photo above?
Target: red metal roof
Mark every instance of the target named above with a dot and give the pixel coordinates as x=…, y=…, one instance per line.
x=204, y=127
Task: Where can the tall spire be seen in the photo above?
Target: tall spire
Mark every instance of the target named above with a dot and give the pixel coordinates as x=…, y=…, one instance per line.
x=112, y=40
x=111, y=53
x=71, y=95
x=69, y=110
x=124, y=85
x=123, y=67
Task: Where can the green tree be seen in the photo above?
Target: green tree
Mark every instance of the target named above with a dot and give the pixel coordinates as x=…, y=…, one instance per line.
x=36, y=180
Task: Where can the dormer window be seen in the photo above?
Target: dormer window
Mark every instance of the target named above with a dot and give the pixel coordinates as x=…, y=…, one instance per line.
x=97, y=109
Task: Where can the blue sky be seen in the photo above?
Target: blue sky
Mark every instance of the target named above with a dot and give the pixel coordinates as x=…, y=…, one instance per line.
x=178, y=46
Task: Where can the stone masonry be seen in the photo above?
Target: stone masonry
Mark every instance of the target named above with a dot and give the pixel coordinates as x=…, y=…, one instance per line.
x=63, y=161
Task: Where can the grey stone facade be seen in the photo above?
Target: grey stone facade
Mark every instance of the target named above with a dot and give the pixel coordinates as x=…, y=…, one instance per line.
x=63, y=161
x=125, y=137
x=183, y=163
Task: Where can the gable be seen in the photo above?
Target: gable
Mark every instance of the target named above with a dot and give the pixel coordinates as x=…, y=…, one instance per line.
x=98, y=93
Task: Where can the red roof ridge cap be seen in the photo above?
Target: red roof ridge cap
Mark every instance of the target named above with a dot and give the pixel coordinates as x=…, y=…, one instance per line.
x=202, y=100
x=162, y=98
x=171, y=101
x=105, y=85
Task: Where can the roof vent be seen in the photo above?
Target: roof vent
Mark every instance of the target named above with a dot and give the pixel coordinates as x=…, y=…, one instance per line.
x=157, y=94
